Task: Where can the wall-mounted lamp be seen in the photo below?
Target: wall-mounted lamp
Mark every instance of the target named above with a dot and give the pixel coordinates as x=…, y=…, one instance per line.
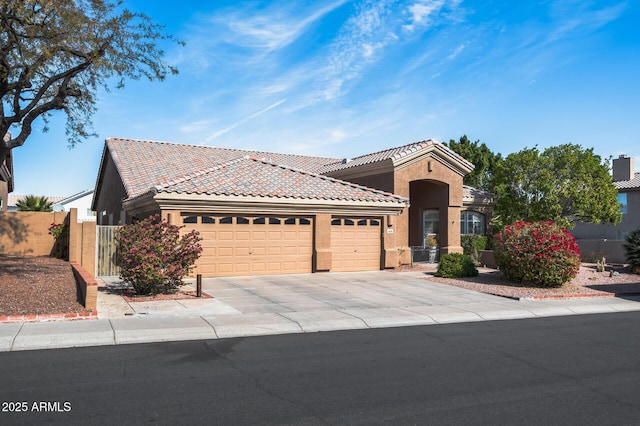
x=429, y=169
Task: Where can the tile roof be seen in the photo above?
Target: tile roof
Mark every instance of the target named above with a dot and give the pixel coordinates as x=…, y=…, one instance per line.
x=396, y=153
x=143, y=164
x=147, y=166
x=629, y=184
x=254, y=177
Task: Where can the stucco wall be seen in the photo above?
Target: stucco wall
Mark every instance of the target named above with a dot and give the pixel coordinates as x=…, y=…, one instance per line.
x=4, y=195
x=27, y=233
x=630, y=222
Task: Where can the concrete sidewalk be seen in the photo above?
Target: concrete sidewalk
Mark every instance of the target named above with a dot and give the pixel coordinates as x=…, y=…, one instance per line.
x=263, y=305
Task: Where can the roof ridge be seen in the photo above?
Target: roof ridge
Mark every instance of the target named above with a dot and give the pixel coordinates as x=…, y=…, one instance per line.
x=196, y=174
x=396, y=147
x=330, y=179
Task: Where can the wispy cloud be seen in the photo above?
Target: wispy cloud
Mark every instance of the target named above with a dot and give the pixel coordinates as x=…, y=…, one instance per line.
x=243, y=121
x=272, y=30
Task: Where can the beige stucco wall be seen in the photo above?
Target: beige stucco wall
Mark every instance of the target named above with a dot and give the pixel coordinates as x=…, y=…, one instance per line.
x=430, y=169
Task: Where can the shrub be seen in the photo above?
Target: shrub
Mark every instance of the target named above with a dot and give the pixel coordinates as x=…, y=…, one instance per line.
x=60, y=233
x=456, y=265
x=153, y=257
x=632, y=247
x=542, y=253
x=472, y=245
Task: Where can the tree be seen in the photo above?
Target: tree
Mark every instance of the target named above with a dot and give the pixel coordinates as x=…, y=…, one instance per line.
x=481, y=156
x=56, y=54
x=33, y=203
x=563, y=184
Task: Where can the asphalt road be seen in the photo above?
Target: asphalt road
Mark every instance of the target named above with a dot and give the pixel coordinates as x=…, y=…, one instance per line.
x=564, y=370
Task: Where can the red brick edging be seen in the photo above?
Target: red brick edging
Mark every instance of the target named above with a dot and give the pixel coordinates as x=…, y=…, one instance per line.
x=73, y=316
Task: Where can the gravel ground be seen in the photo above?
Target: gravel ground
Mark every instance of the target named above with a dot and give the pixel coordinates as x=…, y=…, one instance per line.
x=587, y=283
x=37, y=285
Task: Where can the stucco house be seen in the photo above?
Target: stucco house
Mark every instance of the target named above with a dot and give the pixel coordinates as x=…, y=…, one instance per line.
x=81, y=201
x=265, y=213
x=608, y=240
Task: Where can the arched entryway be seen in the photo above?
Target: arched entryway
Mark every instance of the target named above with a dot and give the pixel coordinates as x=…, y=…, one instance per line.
x=428, y=213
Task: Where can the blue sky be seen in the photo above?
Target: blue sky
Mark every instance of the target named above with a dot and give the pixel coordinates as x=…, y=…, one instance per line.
x=344, y=78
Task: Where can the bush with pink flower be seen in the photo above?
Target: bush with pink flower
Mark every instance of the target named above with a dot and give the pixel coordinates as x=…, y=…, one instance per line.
x=542, y=253
x=154, y=257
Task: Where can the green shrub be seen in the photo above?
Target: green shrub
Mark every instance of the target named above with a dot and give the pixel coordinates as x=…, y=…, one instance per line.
x=153, y=257
x=472, y=245
x=456, y=265
x=632, y=247
x=542, y=253
x=60, y=233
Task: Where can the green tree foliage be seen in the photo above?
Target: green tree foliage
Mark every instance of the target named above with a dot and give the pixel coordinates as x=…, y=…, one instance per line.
x=34, y=203
x=563, y=184
x=56, y=54
x=484, y=160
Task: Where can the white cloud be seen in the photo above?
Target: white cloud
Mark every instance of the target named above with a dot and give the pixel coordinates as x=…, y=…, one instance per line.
x=456, y=52
x=421, y=14
x=243, y=121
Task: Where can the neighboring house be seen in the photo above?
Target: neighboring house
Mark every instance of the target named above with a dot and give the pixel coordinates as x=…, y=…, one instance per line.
x=608, y=240
x=266, y=213
x=6, y=179
x=13, y=199
x=81, y=201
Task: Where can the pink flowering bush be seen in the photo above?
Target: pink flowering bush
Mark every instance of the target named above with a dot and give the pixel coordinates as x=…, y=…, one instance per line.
x=542, y=253
x=153, y=257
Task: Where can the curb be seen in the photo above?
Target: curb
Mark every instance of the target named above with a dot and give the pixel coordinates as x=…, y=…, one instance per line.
x=70, y=316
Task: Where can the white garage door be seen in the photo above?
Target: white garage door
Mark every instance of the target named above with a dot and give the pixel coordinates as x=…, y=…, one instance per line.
x=355, y=244
x=252, y=245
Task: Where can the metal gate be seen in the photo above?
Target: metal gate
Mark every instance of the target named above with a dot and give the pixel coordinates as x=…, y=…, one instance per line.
x=106, y=259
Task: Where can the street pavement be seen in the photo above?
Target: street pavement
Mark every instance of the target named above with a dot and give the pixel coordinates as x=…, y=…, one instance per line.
x=285, y=304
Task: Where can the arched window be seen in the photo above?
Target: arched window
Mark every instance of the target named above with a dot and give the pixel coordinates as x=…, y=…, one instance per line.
x=472, y=222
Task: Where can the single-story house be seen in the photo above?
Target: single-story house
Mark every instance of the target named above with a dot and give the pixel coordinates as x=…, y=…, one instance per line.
x=81, y=201
x=598, y=240
x=265, y=213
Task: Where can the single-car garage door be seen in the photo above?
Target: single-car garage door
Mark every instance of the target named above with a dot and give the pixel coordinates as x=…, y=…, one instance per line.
x=252, y=245
x=355, y=244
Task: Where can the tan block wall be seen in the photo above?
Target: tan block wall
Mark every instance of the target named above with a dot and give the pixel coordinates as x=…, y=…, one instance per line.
x=27, y=233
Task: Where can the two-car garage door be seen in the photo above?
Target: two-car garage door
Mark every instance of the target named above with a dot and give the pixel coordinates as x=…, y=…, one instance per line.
x=257, y=245
x=252, y=245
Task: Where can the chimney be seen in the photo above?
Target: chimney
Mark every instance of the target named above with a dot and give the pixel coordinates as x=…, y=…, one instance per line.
x=623, y=168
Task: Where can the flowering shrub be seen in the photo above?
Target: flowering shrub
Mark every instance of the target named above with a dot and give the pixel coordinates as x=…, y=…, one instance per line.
x=456, y=265
x=542, y=253
x=153, y=257
x=61, y=244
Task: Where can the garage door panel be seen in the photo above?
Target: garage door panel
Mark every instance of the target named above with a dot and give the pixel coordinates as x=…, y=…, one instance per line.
x=356, y=244
x=243, y=245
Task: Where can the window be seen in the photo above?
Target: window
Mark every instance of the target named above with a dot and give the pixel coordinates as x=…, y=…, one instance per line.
x=207, y=220
x=259, y=221
x=304, y=221
x=374, y=222
x=226, y=220
x=242, y=220
x=274, y=221
x=362, y=222
x=290, y=221
x=622, y=199
x=471, y=222
x=348, y=222
x=431, y=222
x=190, y=219
x=336, y=222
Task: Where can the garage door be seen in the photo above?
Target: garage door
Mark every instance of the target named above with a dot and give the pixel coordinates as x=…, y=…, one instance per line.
x=252, y=245
x=355, y=244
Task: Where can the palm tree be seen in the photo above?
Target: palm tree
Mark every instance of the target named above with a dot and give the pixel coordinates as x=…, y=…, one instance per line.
x=33, y=203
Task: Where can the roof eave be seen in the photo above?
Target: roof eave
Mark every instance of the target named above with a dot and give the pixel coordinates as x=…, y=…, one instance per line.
x=247, y=204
